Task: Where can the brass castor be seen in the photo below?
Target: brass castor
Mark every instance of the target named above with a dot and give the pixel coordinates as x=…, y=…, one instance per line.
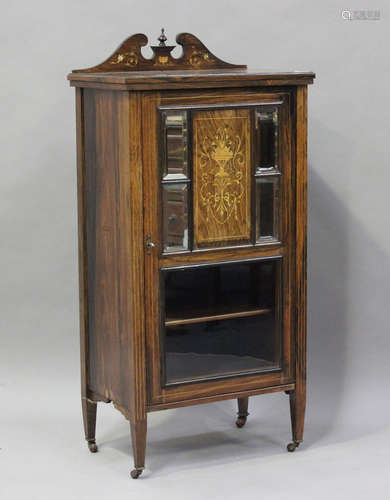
x=241, y=421
x=92, y=446
x=292, y=446
x=135, y=473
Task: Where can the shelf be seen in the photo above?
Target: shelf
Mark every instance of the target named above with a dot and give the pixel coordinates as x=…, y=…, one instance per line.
x=213, y=313
x=191, y=366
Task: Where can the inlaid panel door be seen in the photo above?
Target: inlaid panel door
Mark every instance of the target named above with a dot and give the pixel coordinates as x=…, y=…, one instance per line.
x=221, y=166
x=219, y=236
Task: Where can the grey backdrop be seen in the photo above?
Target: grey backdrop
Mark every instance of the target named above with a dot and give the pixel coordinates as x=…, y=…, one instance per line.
x=197, y=452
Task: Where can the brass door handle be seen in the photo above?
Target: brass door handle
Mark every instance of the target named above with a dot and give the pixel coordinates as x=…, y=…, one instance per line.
x=149, y=244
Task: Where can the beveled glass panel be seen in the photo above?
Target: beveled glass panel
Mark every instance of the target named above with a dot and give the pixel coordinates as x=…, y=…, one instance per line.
x=267, y=208
x=175, y=216
x=221, y=320
x=176, y=139
x=268, y=138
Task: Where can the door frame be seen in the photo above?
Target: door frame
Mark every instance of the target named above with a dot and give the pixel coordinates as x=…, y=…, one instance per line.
x=157, y=394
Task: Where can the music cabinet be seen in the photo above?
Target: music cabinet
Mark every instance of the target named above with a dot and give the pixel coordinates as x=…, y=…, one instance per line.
x=192, y=234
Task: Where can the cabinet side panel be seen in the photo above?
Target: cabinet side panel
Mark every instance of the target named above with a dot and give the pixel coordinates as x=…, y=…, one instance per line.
x=102, y=241
x=301, y=248
x=82, y=257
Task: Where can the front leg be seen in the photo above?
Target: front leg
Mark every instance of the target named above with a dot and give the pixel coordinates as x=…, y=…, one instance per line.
x=297, y=410
x=138, y=438
x=89, y=418
x=242, y=411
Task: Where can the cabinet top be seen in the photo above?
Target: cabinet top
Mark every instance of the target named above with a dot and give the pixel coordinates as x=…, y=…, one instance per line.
x=197, y=67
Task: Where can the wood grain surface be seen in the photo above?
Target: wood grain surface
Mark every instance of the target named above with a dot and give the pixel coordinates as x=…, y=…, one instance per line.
x=222, y=176
x=120, y=206
x=179, y=80
x=128, y=56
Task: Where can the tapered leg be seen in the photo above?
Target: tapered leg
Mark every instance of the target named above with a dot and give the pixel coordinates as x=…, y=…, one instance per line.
x=297, y=409
x=138, y=438
x=89, y=418
x=298, y=396
x=242, y=412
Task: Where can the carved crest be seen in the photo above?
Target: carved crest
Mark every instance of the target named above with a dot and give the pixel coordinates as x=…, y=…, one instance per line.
x=128, y=56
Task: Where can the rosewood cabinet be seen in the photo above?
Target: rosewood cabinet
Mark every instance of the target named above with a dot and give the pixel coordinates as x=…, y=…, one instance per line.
x=192, y=234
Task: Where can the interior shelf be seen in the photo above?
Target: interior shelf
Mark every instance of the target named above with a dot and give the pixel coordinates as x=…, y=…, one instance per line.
x=212, y=313
x=192, y=366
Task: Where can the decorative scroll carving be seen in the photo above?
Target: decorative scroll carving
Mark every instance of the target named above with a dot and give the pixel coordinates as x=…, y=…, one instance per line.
x=128, y=56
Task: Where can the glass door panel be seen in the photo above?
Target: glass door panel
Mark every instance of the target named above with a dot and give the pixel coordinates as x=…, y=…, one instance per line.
x=267, y=208
x=175, y=181
x=268, y=174
x=175, y=216
x=175, y=138
x=221, y=320
x=267, y=127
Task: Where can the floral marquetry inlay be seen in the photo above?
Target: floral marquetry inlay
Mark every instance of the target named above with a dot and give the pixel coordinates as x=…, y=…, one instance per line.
x=127, y=58
x=221, y=164
x=222, y=176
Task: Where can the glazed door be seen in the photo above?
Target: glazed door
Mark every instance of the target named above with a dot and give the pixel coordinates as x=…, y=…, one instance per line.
x=219, y=239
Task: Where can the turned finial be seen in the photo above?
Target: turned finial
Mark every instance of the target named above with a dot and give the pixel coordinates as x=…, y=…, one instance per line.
x=162, y=38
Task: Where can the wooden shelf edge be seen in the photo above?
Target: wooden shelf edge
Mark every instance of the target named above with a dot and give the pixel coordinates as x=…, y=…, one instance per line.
x=215, y=317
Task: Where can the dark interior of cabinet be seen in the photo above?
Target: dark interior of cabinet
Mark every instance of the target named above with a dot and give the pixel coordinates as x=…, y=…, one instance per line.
x=221, y=320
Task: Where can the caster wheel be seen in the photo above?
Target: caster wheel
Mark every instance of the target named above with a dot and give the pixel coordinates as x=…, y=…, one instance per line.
x=292, y=446
x=92, y=446
x=135, y=473
x=240, y=422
